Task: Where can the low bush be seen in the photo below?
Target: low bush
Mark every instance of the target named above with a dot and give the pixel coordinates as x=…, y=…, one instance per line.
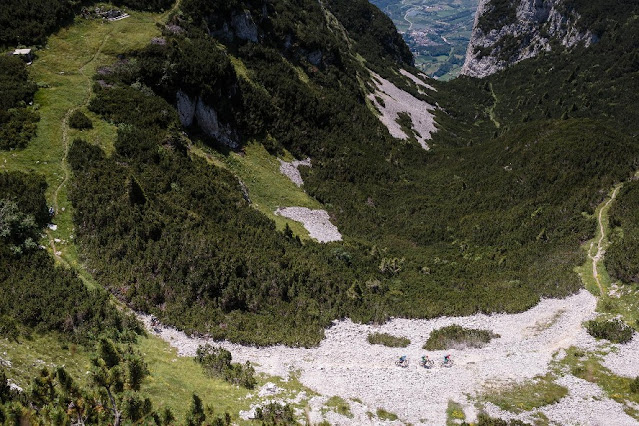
x=634, y=385
x=216, y=361
x=388, y=340
x=340, y=406
x=613, y=330
x=455, y=336
x=80, y=121
x=17, y=119
x=386, y=415
x=484, y=419
x=275, y=414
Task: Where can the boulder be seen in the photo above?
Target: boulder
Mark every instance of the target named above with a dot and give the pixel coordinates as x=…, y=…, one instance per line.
x=186, y=108
x=244, y=26
x=209, y=123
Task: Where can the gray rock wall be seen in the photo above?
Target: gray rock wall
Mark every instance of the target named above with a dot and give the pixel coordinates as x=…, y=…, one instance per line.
x=539, y=22
x=192, y=110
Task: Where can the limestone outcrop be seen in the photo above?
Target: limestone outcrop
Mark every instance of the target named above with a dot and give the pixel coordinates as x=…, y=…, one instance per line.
x=530, y=27
x=193, y=111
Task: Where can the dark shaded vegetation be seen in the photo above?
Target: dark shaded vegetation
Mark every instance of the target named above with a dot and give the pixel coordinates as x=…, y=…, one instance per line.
x=498, y=14
x=374, y=33
x=28, y=22
x=598, y=17
x=614, y=330
x=176, y=239
x=275, y=413
x=622, y=257
x=80, y=121
x=634, y=385
x=147, y=5
x=37, y=296
x=388, y=340
x=216, y=362
x=17, y=120
x=458, y=337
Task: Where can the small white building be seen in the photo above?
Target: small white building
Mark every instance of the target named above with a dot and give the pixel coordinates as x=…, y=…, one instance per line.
x=25, y=53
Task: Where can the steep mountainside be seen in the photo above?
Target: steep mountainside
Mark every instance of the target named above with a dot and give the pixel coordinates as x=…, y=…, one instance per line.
x=452, y=198
x=449, y=198
x=509, y=31
x=446, y=195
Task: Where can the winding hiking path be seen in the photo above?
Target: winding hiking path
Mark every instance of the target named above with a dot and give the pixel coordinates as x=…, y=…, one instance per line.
x=65, y=138
x=491, y=110
x=602, y=241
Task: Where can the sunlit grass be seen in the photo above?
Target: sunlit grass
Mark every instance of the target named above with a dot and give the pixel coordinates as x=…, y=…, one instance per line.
x=64, y=69
x=588, y=366
x=268, y=188
x=526, y=396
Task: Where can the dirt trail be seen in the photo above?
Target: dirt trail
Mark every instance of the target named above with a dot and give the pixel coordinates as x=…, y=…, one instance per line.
x=65, y=137
x=601, y=250
x=491, y=110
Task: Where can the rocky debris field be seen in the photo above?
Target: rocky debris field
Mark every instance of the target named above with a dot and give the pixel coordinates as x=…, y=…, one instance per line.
x=345, y=364
x=291, y=170
x=390, y=101
x=622, y=359
x=317, y=222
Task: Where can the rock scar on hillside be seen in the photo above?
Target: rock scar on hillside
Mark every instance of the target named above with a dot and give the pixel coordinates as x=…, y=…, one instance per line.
x=317, y=222
x=390, y=101
x=291, y=170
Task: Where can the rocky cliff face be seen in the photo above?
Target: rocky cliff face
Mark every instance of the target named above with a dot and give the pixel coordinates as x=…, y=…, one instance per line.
x=509, y=31
x=192, y=110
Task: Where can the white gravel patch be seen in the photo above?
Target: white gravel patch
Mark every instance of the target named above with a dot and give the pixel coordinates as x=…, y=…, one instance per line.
x=317, y=222
x=291, y=170
x=345, y=364
x=623, y=360
x=396, y=101
x=418, y=81
x=585, y=404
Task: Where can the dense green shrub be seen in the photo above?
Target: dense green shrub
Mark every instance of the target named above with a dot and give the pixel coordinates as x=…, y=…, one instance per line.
x=622, y=257
x=458, y=337
x=29, y=22
x=17, y=121
x=275, y=413
x=148, y=5
x=388, y=340
x=80, y=121
x=216, y=361
x=37, y=296
x=613, y=330
x=484, y=419
x=109, y=394
x=374, y=33
x=498, y=13
x=634, y=385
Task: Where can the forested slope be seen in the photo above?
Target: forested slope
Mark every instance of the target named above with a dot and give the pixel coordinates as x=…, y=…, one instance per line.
x=489, y=220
